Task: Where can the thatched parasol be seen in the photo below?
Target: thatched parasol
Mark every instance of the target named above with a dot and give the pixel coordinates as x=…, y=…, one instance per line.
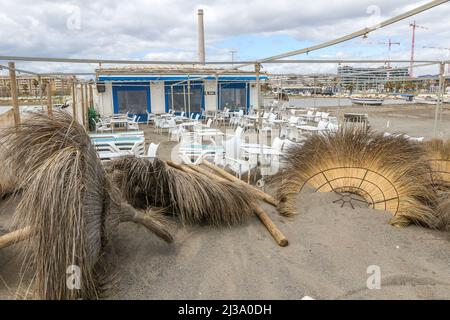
x=7, y=180
x=191, y=196
x=68, y=204
x=438, y=155
x=443, y=211
x=387, y=172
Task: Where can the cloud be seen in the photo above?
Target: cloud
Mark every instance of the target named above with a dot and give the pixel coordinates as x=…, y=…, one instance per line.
x=167, y=30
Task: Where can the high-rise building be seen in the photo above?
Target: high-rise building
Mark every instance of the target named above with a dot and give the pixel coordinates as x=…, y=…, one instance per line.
x=369, y=77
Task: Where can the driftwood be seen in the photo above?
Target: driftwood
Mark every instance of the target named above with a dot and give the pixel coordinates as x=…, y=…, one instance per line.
x=263, y=217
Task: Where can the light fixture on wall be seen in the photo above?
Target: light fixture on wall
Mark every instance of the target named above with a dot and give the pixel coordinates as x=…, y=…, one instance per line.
x=101, y=87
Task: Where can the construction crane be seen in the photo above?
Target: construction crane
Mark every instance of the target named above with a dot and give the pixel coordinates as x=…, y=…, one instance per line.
x=439, y=48
x=389, y=43
x=413, y=42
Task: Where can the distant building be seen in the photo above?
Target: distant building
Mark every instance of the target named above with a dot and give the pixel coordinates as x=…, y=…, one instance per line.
x=301, y=84
x=29, y=85
x=369, y=77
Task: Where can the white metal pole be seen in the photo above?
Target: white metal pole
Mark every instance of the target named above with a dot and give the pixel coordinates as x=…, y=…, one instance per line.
x=171, y=94
x=258, y=93
x=339, y=98
x=217, y=93
x=314, y=92
x=440, y=96
x=184, y=99
x=189, y=95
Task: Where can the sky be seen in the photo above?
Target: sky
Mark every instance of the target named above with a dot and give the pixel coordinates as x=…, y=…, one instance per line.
x=167, y=30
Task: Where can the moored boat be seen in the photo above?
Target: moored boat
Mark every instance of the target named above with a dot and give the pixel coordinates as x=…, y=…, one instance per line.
x=368, y=101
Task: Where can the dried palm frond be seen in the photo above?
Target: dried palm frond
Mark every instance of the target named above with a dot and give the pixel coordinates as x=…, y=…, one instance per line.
x=388, y=172
x=438, y=155
x=195, y=198
x=68, y=202
x=443, y=211
x=7, y=179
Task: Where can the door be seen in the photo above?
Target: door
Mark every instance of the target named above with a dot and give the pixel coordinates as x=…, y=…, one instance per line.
x=132, y=99
x=179, y=100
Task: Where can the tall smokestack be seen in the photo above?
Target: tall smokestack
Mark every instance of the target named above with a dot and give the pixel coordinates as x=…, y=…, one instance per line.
x=201, y=37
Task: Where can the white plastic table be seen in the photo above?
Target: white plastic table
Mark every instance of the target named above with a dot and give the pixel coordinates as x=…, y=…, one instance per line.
x=118, y=121
x=308, y=128
x=257, y=151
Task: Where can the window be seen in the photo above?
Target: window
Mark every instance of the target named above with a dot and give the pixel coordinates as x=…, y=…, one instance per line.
x=132, y=101
x=233, y=96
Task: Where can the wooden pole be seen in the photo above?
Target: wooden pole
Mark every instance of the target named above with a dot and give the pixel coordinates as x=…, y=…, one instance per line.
x=86, y=105
x=63, y=88
x=40, y=92
x=206, y=173
x=74, y=101
x=260, y=213
x=138, y=217
x=14, y=237
x=180, y=167
x=49, y=99
x=270, y=226
x=260, y=194
x=91, y=96
x=83, y=111
x=14, y=93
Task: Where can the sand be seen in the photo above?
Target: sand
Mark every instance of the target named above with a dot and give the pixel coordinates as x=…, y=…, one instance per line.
x=328, y=256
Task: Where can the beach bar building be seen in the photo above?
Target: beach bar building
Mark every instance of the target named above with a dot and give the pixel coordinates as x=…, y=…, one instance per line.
x=189, y=89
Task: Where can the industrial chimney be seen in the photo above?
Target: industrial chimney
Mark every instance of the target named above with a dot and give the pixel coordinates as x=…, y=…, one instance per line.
x=201, y=37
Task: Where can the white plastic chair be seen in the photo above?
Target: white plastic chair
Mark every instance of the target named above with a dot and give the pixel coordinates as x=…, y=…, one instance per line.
x=293, y=120
x=177, y=132
x=272, y=162
x=309, y=115
x=133, y=125
x=233, y=161
x=151, y=151
x=101, y=126
x=150, y=117
x=167, y=125
x=322, y=125
x=318, y=117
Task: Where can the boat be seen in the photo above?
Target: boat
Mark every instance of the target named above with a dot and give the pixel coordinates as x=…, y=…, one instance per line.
x=368, y=101
x=426, y=99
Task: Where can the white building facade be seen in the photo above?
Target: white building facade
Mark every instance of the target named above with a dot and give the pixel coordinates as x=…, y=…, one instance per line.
x=189, y=90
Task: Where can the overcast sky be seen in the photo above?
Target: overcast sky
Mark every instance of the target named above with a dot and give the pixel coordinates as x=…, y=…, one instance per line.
x=167, y=30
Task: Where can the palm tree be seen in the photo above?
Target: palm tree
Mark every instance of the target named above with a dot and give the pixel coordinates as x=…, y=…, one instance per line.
x=25, y=89
x=35, y=85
